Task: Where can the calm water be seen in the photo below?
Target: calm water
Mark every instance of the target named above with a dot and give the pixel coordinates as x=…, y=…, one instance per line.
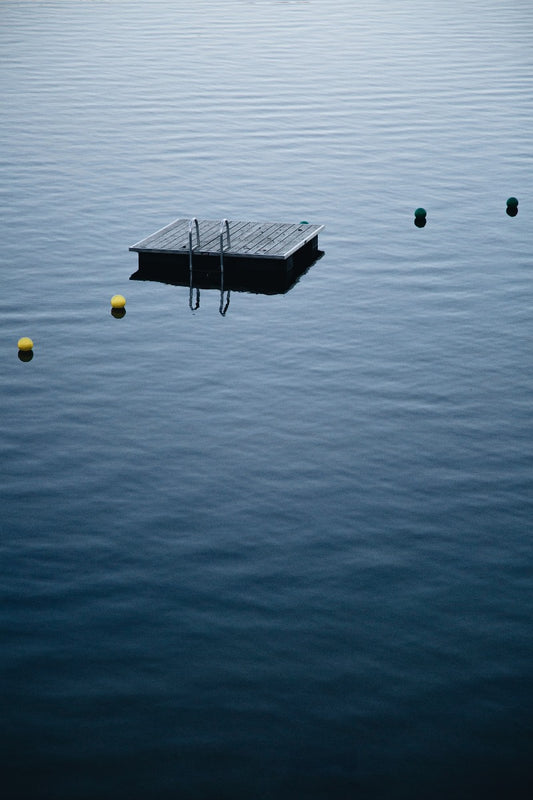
x=285, y=552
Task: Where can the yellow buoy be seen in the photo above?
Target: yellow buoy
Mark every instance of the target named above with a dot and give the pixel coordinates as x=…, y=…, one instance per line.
x=25, y=343
x=118, y=301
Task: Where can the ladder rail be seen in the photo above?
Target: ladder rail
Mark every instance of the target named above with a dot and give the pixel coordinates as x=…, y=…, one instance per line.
x=224, y=302
x=195, y=221
x=224, y=224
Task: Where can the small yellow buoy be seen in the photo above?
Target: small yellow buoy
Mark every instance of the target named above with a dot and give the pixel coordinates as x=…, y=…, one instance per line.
x=118, y=301
x=25, y=343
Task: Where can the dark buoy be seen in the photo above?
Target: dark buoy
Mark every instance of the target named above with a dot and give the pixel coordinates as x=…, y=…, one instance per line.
x=512, y=206
x=420, y=217
x=118, y=313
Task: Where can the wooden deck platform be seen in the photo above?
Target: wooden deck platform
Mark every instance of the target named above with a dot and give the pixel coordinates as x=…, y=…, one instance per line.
x=260, y=243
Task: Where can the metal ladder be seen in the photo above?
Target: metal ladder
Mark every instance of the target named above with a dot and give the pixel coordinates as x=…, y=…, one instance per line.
x=223, y=224
x=223, y=307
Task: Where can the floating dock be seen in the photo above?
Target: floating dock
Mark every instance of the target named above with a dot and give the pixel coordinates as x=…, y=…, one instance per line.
x=226, y=243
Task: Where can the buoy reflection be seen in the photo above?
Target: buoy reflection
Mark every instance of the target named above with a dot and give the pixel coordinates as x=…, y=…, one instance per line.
x=512, y=206
x=420, y=217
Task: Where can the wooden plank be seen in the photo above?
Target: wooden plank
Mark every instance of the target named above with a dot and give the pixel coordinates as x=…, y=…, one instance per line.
x=276, y=243
x=251, y=242
x=294, y=241
x=163, y=230
x=244, y=238
x=213, y=246
x=286, y=241
x=271, y=240
x=297, y=245
x=176, y=239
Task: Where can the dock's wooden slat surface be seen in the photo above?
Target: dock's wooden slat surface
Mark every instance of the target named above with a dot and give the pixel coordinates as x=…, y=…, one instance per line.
x=271, y=240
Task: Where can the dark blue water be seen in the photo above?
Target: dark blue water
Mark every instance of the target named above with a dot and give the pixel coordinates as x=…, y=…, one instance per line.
x=285, y=552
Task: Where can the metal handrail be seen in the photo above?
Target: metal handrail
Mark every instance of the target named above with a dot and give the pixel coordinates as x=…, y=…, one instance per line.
x=226, y=223
x=190, y=238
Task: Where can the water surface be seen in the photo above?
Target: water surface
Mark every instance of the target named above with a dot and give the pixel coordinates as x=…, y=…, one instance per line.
x=283, y=552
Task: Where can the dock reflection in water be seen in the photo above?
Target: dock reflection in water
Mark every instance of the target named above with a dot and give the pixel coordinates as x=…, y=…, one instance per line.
x=271, y=279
